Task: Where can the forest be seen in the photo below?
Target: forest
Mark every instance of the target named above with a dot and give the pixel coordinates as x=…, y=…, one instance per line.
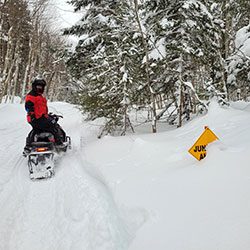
x=165, y=58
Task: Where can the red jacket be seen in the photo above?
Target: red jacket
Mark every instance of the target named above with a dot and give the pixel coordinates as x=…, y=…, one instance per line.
x=36, y=106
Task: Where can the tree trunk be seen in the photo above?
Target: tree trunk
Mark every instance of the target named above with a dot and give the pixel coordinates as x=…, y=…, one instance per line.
x=145, y=47
x=15, y=80
x=26, y=78
x=180, y=107
x=180, y=104
x=7, y=82
x=8, y=58
x=49, y=82
x=8, y=65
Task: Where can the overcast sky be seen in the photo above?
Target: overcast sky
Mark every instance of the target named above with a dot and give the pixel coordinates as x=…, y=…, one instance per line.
x=65, y=17
x=65, y=13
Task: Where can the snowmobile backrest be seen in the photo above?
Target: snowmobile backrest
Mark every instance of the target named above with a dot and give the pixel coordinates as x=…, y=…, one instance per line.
x=42, y=144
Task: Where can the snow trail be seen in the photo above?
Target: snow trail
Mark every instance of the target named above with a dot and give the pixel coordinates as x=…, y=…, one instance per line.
x=73, y=210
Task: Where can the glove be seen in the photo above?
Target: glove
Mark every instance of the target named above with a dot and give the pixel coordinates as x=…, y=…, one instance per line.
x=52, y=119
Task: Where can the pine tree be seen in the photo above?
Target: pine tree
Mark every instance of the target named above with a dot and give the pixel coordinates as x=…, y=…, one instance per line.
x=182, y=41
x=155, y=54
x=239, y=66
x=235, y=19
x=104, y=61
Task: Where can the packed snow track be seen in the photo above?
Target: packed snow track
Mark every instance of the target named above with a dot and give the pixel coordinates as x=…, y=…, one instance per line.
x=72, y=210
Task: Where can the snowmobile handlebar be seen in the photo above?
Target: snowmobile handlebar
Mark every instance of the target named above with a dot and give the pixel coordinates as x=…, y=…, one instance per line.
x=55, y=115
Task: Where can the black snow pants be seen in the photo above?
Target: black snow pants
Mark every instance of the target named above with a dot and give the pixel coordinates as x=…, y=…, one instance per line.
x=44, y=124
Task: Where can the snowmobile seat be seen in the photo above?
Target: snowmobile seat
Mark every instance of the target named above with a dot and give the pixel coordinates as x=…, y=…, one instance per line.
x=44, y=137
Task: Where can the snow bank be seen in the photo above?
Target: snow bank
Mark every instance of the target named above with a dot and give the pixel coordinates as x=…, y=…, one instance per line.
x=190, y=204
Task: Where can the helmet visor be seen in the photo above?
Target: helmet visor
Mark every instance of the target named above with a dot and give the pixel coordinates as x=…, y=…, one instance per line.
x=39, y=89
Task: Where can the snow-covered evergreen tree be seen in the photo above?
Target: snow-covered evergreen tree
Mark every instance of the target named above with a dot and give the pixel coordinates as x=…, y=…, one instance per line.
x=105, y=60
x=229, y=16
x=239, y=65
x=234, y=16
x=154, y=53
x=182, y=40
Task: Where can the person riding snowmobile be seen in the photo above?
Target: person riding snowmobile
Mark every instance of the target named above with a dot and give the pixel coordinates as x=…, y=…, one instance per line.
x=38, y=116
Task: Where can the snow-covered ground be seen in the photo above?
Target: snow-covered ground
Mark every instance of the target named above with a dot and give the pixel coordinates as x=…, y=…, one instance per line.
x=138, y=192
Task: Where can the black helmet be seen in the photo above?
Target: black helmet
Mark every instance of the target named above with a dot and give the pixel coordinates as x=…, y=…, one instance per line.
x=38, y=82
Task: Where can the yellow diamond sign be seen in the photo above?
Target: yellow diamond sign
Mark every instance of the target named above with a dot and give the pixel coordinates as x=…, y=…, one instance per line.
x=198, y=150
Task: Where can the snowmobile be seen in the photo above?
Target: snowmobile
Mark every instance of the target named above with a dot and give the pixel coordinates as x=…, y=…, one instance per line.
x=43, y=151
